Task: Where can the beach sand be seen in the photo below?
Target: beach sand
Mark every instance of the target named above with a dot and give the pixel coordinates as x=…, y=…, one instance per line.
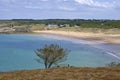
x=93, y=37
x=107, y=42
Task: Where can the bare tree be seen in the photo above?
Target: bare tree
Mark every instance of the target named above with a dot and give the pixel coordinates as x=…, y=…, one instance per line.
x=51, y=55
x=113, y=64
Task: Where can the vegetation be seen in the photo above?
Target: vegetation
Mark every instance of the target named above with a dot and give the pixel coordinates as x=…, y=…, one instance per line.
x=64, y=73
x=105, y=24
x=51, y=55
x=81, y=25
x=113, y=64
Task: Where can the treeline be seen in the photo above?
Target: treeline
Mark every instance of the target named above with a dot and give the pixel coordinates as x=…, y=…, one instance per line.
x=105, y=24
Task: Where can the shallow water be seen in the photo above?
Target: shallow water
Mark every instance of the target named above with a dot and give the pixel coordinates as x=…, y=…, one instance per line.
x=17, y=52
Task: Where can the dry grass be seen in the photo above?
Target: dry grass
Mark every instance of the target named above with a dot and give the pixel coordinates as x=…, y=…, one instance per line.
x=65, y=73
x=90, y=30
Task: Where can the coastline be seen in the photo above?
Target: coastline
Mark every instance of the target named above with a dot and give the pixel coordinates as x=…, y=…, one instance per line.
x=93, y=37
x=107, y=42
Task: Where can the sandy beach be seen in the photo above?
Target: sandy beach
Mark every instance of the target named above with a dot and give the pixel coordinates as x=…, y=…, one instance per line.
x=93, y=37
x=107, y=42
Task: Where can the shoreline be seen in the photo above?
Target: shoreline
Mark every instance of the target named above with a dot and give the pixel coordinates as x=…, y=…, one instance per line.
x=96, y=37
x=105, y=42
x=112, y=47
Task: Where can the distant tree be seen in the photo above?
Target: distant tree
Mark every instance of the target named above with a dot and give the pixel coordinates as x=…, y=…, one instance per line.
x=51, y=55
x=113, y=64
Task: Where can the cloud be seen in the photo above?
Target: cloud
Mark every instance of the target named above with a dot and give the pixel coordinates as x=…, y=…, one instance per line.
x=51, y=5
x=66, y=8
x=60, y=8
x=94, y=3
x=43, y=0
x=33, y=7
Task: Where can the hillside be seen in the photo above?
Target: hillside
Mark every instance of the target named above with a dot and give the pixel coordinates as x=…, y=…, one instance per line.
x=65, y=73
x=79, y=25
x=104, y=24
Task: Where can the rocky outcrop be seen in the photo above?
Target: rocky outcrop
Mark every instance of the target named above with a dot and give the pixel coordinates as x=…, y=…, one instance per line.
x=14, y=30
x=24, y=30
x=6, y=30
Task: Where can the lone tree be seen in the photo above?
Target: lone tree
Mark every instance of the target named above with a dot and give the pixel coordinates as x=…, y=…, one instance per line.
x=51, y=55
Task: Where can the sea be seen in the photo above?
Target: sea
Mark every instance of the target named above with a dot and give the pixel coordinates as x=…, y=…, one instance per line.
x=17, y=52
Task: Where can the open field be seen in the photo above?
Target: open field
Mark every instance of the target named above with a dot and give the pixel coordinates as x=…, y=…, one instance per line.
x=91, y=30
x=65, y=73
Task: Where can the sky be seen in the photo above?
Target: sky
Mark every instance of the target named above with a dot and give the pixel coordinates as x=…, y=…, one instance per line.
x=60, y=9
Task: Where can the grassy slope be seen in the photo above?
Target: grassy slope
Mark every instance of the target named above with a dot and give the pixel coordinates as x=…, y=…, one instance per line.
x=65, y=73
x=93, y=30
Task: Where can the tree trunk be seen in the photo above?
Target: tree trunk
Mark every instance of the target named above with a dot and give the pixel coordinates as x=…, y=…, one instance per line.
x=46, y=65
x=50, y=65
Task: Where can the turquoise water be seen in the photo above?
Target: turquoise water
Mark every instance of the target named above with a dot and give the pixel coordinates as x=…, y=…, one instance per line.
x=17, y=52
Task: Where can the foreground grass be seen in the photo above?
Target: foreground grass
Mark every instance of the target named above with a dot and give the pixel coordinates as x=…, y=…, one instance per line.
x=65, y=73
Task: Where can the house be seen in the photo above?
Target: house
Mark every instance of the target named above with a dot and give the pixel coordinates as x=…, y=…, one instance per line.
x=51, y=26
